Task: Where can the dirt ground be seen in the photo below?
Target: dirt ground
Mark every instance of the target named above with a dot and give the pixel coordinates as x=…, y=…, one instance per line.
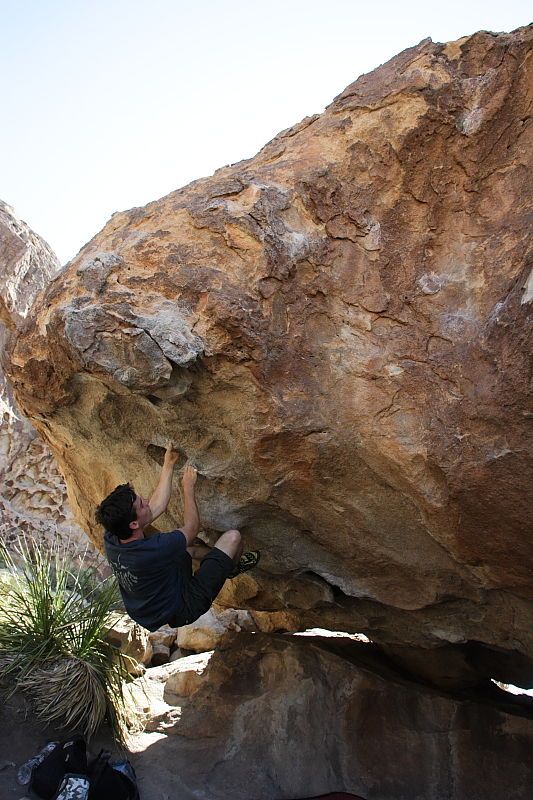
x=21, y=737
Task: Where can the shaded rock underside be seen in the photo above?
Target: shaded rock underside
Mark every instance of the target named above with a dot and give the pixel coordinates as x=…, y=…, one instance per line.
x=331, y=726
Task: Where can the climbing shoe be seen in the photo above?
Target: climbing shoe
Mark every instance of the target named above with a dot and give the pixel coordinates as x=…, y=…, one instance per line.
x=247, y=561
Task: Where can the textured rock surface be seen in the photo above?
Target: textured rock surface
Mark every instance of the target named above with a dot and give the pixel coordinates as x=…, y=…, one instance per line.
x=33, y=498
x=248, y=714
x=335, y=333
x=133, y=640
x=33, y=495
x=28, y=265
x=165, y=636
x=209, y=629
x=331, y=726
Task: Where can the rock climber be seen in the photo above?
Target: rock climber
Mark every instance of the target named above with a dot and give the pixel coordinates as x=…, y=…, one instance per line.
x=154, y=570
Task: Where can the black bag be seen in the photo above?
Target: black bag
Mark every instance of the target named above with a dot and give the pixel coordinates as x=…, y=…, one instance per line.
x=66, y=757
x=114, y=780
x=64, y=774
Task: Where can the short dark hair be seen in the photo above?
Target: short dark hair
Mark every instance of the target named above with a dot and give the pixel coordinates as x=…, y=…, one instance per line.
x=116, y=512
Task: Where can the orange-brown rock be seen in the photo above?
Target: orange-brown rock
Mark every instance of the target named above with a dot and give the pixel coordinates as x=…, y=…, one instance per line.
x=133, y=641
x=335, y=333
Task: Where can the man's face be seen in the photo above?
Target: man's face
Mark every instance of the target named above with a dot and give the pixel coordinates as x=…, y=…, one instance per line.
x=143, y=511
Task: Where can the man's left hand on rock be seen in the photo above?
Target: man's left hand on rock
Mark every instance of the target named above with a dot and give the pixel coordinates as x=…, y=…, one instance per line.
x=171, y=455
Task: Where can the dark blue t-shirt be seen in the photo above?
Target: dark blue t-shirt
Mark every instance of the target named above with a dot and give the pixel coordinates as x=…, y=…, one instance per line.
x=150, y=574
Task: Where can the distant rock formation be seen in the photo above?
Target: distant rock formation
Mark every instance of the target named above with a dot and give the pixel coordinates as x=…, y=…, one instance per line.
x=28, y=265
x=335, y=333
x=33, y=496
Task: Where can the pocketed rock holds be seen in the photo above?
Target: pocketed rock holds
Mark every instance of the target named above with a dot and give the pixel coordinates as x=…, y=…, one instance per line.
x=335, y=333
x=33, y=499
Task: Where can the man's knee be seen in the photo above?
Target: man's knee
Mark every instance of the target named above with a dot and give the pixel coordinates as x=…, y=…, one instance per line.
x=230, y=543
x=233, y=536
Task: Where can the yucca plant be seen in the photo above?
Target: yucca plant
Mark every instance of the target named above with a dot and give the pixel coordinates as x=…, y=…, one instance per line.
x=53, y=622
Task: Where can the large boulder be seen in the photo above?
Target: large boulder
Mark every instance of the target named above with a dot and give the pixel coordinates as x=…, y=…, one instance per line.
x=270, y=717
x=335, y=333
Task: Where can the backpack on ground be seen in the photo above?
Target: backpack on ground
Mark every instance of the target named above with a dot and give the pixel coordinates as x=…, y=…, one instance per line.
x=61, y=772
x=66, y=758
x=115, y=780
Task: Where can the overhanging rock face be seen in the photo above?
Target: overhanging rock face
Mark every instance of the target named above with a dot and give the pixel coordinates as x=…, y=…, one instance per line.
x=334, y=332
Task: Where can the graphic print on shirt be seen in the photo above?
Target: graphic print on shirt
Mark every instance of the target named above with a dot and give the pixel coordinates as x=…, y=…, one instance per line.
x=123, y=574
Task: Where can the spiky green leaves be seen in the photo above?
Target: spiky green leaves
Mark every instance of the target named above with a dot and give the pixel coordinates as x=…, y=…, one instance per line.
x=53, y=623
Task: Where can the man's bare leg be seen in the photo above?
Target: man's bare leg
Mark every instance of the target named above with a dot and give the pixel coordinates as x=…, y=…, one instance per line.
x=231, y=544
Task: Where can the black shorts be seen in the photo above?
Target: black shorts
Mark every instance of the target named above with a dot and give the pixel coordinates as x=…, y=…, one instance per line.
x=199, y=590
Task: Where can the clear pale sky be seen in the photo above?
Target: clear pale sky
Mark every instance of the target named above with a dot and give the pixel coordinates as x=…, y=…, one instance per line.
x=108, y=104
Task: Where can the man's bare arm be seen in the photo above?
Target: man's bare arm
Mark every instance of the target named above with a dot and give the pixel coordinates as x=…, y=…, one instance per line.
x=159, y=500
x=191, y=524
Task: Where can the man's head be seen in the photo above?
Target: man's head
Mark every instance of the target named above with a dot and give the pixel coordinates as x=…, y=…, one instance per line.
x=123, y=512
